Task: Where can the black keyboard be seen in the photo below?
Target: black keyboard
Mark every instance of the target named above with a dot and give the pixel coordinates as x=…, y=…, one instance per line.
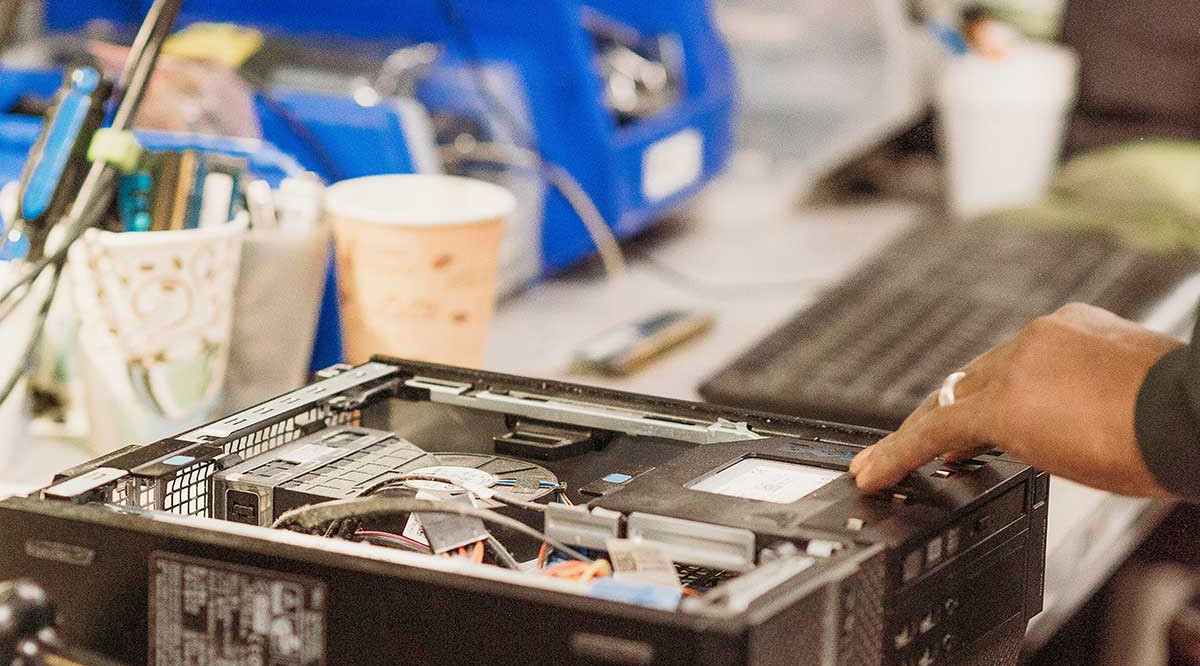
x=873, y=347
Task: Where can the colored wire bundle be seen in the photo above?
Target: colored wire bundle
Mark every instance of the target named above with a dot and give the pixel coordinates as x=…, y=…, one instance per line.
x=392, y=540
x=503, y=498
x=580, y=571
x=313, y=517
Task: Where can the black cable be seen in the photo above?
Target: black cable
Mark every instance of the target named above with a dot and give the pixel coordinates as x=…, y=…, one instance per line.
x=77, y=226
x=466, y=44
x=40, y=322
x=58, y=260
x=313, y=516
x=305, y=135
x=499, y=496
x=720, y=290
x=504, y=557
x=143, y=55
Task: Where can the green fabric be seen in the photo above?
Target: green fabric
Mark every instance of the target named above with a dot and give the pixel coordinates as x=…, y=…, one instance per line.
x=1147, y=193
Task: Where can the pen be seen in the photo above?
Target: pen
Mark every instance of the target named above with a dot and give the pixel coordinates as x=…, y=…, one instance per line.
x=218, y=194
x=299, y=202
x=260, y=205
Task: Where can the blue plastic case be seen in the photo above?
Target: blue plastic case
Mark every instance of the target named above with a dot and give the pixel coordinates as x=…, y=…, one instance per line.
x=548, y=44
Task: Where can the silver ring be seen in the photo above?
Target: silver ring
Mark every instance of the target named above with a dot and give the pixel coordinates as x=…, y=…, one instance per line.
x=946, y=393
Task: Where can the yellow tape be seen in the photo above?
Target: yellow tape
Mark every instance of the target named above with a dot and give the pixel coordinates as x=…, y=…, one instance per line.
x=226, y=43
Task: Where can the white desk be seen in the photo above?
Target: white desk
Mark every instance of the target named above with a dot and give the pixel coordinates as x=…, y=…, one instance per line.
x=739, y=233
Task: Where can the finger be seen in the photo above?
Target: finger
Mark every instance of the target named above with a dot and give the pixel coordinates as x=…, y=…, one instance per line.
x=978, y=378
x=951, y=428
x=926, y=407
x=860, y=460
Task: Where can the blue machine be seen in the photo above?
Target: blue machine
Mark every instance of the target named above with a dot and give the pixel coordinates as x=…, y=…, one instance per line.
x=544, y=75
x=567, y=57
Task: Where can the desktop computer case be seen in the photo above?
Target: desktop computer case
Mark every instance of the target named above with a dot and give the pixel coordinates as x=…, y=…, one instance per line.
x=104, y=554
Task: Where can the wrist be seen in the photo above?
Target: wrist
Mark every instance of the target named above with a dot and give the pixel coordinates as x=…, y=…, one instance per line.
x=1165, y=425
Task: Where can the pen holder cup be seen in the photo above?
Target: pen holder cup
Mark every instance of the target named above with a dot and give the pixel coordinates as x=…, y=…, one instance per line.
x=1001, y=124
x=417, y=262
x=276, y=306
x=155, y=313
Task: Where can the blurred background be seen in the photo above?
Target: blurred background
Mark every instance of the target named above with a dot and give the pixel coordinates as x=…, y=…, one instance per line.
x=813, y=207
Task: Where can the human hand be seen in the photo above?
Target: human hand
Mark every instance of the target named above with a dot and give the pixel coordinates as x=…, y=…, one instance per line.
x=1060, y=395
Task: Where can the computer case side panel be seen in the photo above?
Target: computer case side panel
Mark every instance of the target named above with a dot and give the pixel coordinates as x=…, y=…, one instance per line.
x=1035, y=570
x=948, y=563
x=107, y=572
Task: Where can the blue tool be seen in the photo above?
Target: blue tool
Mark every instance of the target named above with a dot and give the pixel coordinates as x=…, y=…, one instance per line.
x=58, y=162
x=561, y=70
x=634, y=99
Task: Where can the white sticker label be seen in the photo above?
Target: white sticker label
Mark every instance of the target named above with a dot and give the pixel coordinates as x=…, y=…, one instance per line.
x=414, y=531
x=81, y=484
x=641, y=562
x=413, y=528
x=671, y=164
x=767, y=480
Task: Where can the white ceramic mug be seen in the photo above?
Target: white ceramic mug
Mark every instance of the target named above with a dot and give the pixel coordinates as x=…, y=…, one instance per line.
x=156, y=310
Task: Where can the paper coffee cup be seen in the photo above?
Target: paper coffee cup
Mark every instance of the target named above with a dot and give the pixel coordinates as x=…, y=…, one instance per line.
x=1001, y=125
x=417, y=262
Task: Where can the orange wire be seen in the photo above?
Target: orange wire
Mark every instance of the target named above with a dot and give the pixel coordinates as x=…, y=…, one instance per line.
x=542, y=552
x=597, y=568
x=477, y=556
x=580, y=571
x=568, y=569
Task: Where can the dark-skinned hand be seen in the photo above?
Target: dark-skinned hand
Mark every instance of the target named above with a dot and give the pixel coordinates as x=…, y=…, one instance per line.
x=1060, y=395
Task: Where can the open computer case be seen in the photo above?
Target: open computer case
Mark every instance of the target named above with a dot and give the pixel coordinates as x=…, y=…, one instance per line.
x=163, y=553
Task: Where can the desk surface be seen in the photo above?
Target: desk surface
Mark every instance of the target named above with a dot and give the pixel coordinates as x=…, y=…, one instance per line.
x=742, y=252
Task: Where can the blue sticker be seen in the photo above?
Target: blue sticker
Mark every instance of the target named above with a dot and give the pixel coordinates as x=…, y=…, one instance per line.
x=642, y=594
x=176, y=461
x=617, y=477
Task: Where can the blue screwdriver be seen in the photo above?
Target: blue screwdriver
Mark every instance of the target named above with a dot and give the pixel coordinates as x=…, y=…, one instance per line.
x=58, y=161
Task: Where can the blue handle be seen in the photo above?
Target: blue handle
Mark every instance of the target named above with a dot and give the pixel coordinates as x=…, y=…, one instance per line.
x=61, y=137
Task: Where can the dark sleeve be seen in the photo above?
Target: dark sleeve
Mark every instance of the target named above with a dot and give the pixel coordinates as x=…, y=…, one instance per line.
x=1167, y=420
